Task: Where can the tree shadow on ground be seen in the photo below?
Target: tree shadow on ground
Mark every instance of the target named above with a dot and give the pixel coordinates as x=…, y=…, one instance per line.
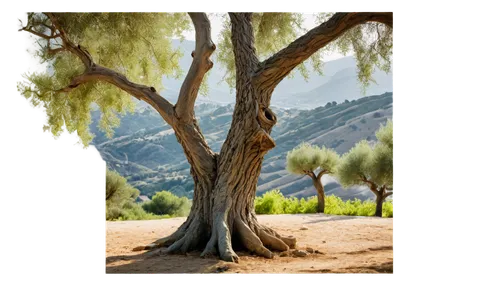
x=386, y=267
x=157, y=261
x=332, y=218
x=380, y=248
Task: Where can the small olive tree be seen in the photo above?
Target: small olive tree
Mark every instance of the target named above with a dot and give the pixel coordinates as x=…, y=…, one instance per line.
x=371, y=166
x=305, y=159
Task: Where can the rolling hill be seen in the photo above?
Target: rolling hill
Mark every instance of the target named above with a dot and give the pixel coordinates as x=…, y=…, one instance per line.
x=145, y=149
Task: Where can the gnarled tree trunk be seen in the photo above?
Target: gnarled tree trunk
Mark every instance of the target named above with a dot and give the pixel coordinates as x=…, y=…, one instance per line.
x=224, y=184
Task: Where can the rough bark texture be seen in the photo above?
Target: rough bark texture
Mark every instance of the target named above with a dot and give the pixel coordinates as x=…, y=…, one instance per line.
x=222, y=214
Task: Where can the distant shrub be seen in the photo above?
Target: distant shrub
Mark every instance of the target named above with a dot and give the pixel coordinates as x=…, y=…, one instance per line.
x=363, y=121
x=377, y=115
x=166, y=203
x=270, y=203
x=274, y=202
x=118, y=194
x=120, y=201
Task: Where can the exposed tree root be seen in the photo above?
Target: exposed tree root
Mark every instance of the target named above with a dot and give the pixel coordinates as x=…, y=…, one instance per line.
x=256, y=238
x=250, y=240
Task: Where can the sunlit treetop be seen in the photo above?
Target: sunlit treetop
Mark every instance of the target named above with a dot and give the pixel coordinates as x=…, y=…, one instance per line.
x=138, y=45
x=135, y=44
x=307, y=158
x=365, y=162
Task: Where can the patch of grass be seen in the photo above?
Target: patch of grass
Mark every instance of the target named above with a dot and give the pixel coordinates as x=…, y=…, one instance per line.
x=274, y=202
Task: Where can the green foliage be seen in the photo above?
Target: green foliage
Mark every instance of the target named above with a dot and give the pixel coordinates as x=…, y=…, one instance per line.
x=371, y=44
x=307, y=157
x=166, y=203
x=384, y=134
x=118, y=194
x=273, y=202
x=138, y=46
x=272, y=31
x=355, y=164
x=374, y=163
x=120, y=201
x=135, y=44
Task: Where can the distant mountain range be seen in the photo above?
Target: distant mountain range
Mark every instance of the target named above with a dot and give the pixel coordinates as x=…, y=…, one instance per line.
x=145, y=149
x=338, y=83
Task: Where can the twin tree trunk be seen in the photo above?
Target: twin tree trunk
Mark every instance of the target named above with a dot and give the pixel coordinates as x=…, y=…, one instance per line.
x=222, y=216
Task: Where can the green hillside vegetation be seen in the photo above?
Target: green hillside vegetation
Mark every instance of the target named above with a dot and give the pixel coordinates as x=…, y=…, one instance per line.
x=274, y=202
x=121, y=202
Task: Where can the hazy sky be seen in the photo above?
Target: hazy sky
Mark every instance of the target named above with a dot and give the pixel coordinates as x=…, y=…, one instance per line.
x=217, y=26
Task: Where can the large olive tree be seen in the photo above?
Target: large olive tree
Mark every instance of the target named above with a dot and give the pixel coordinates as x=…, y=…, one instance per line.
x=104, y=58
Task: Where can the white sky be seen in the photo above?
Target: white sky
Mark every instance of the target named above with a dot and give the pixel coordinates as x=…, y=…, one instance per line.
x=217, y=27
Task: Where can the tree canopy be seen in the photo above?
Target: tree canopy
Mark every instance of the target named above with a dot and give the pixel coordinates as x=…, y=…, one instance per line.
x=365, y=162
x=307, y=158
x=138, y=45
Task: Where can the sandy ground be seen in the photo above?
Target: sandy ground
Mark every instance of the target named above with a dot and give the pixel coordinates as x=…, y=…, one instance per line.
x=349, y=244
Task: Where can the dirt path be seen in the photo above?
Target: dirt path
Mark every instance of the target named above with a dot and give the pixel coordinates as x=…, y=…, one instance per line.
x=349, y=244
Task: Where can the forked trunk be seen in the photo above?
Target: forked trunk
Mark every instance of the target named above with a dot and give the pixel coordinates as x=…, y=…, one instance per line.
x=223, y=205
x=321, y=195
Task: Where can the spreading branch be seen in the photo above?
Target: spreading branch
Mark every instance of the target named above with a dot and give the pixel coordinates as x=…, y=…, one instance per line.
x=141, y=92
x=199, y=67
x=94, y=72
x=38, y=34
x=274, y=69
x=371, y=184
x=310, y=174
x=68, y=45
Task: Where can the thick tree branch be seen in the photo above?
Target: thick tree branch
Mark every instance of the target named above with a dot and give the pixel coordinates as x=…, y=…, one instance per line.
x=371, y=185
x=199, y=67
x=323, y=172
x=310, y=174
x=38, y=34
x=94, y=72
x=141, y=92
x=274, y=69
x=68, y=45
x=198, y=153
x=385, y=192
x=243, y=40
